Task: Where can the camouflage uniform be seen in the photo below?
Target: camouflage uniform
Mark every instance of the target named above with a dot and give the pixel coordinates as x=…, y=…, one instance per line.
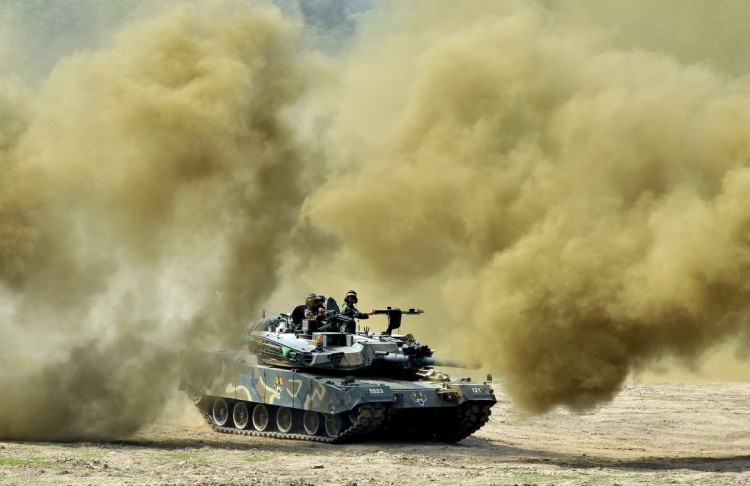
x=314, y=318
x=313, y=306
x=350, y=310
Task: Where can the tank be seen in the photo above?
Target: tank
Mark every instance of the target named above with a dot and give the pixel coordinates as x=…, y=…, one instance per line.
x=322, y=380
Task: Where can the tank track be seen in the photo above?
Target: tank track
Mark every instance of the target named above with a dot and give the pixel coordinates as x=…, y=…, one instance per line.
x=370, y=417
x=470, y=418
x=451, y=425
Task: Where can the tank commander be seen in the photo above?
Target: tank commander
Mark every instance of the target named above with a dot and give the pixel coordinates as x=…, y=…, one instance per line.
x=350, y=308
x=314, y=312
x=314, y=307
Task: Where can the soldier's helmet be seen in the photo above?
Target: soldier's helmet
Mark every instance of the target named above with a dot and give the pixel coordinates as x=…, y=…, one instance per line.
x=321, y=299
x=351, y=297
x=311, y=300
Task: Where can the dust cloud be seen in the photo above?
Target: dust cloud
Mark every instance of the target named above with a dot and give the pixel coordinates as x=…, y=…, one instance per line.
x=581, y=200
x=563, y=190
x=147, y=189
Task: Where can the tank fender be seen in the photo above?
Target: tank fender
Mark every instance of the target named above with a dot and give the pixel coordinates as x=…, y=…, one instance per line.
x=469, y=391
x=369, y=393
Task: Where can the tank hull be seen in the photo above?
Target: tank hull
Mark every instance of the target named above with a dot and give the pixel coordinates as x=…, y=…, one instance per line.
x=346, y=408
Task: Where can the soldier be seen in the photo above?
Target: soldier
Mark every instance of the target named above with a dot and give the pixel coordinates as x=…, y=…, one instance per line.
x=350, y=309
x=321, y=301
x=312, y=311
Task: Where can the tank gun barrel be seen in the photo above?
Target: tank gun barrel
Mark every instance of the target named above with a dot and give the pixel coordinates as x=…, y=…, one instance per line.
x=422, y=360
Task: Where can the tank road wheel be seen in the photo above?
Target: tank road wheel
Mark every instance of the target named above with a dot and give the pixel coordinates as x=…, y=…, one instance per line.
x=240, y=415
x=333, y=425
x=261, y=417
x=311, y=422
x=199, y=399
x=353, y=415
x=284, y=420
x=220, y=413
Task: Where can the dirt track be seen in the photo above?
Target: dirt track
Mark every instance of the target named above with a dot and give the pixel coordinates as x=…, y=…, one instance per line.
x=651, y=434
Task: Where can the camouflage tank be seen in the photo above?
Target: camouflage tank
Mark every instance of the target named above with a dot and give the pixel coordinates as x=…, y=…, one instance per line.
x=323, y=381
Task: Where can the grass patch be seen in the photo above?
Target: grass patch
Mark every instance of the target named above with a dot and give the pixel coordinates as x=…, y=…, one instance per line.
x=258, y=458
x=599, y=478
x=182, y=455
x=12, y=461
x=92, y=455
x=22, y=461
x=544, y=478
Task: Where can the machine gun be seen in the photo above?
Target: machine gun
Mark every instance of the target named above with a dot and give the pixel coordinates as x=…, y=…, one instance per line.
x=394, y=316
x=334, y=321
x=331, y=320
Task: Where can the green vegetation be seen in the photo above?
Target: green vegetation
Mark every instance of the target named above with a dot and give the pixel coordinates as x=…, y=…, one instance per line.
x=22, y=461
x=92, y=455
x=544, y=478
x=599, y=478
x=258, y=458
x=12, y=461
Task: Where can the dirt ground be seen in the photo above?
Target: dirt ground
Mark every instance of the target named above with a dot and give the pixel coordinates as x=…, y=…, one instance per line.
x=697, y=433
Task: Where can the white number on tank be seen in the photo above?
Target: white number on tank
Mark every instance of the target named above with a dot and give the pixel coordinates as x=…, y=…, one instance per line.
x=376, y=390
